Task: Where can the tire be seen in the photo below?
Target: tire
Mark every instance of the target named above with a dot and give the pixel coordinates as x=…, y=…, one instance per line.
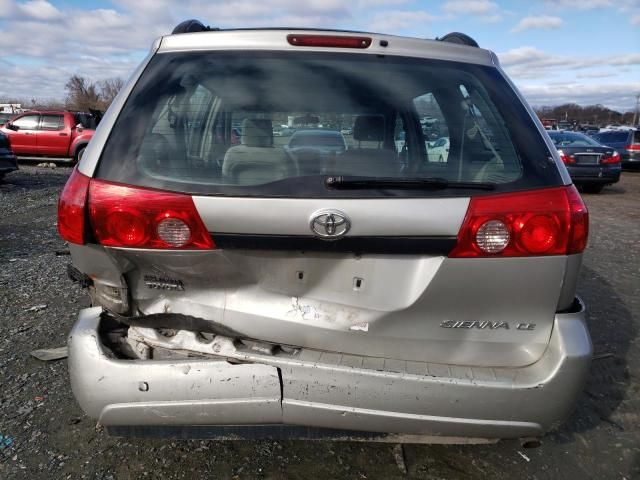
x=79, y=153
x=592, y=188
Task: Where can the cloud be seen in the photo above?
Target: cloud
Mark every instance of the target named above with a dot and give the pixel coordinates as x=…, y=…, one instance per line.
x=533, y=60
x=543, y=21
x=596, y=75
x=396, y=21
x=580, y=4
x=619, y=96
x=472, y=7
x=39, y=10
x=635, y=20
x=531, y=63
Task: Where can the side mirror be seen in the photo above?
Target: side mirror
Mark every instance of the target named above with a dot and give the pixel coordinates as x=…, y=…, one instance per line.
x=11, y=126
x=79, y=128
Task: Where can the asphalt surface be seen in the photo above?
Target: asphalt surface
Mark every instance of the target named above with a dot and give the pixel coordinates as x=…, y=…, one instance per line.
x=44, y=434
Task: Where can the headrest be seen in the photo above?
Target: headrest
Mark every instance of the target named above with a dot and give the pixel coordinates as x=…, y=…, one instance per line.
x=369, y=128
x=257, y=132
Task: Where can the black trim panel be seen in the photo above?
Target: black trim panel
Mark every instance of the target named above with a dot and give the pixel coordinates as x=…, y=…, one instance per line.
x=396, y=244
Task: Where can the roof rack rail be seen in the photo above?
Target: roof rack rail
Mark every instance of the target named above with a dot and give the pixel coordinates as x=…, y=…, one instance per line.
x=459, y=38
x=191, y=26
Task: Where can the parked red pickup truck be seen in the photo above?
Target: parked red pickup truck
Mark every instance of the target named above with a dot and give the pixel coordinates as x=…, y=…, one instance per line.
x=49, y=134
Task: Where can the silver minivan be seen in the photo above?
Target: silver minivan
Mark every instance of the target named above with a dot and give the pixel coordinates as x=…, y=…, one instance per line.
x=241, y=288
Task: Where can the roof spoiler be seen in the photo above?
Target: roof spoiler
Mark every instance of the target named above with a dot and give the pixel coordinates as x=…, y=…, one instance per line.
x=192, y=26
x=459, y=38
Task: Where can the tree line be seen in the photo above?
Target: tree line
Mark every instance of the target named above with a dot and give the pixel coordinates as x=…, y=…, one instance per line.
x=585, y=115
x=82, y=95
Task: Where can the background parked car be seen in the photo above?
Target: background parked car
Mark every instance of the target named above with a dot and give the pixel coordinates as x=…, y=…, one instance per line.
x=8, y=162
x=590, y=164
x=322, y=141
x=49, y=134
x=438, y=150
x=626, y=142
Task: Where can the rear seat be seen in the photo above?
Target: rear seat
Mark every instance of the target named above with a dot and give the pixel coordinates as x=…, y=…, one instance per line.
x=256, y=160
x=375, y=161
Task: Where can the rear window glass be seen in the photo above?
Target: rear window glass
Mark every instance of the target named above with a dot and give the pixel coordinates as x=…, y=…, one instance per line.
x=51, y=122
x=279, y=123
x=568, y=139
x=612, y=137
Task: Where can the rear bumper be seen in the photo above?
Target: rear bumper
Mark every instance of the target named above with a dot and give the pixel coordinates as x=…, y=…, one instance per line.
x=630, y=159
x=584, y=175
x=444, y=401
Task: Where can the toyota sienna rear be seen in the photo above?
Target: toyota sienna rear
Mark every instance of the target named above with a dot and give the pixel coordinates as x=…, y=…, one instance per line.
x=244, y=288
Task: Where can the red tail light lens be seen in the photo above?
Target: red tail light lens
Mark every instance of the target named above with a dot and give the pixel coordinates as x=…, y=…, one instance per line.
x=615, y=158
x=543, y=222
x=134, y=217
x=634, y=147
x=71, y=208
x=566, y=159
x=579, y=226
x=328, y=41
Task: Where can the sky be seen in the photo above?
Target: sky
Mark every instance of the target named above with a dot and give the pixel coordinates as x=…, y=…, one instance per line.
x=556, y=51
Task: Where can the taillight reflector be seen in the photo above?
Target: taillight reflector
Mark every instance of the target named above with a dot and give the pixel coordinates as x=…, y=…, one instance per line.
x=134, y=217
x=543, y=222
x=615, y=158
x=328, y=41
x=566, y=159
x=71, y=208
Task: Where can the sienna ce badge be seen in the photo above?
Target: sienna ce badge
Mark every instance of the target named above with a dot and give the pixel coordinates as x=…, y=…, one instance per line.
x=329, y=224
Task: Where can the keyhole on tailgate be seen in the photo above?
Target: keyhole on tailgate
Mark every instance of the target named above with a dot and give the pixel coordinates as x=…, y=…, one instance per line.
x=300, y=275
x=358, y=283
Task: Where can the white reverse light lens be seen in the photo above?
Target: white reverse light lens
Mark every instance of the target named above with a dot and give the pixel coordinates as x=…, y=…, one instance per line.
x=492, y=236
x=174, y=232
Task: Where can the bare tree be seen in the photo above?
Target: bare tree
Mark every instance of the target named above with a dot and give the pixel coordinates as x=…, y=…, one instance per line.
x=109, y=89
x=82, y=94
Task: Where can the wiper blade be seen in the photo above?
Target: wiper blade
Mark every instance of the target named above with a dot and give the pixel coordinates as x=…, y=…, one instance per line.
x=429, y=183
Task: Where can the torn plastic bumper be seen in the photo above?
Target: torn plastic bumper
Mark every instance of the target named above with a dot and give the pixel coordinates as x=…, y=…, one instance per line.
x=232, y=385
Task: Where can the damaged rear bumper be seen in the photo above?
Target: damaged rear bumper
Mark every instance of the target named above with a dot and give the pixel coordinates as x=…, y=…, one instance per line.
x=321, y=390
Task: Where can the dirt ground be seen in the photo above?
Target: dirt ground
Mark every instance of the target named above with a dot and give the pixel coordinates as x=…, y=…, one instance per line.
x=45, y=435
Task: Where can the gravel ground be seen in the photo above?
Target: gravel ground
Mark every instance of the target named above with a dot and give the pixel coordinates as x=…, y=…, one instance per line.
x=44, y=434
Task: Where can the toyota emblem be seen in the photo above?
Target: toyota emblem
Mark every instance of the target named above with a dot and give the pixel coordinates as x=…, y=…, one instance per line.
x=329, y=224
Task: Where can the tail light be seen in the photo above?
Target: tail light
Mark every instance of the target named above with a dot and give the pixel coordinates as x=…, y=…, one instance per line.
x=334, y=41
x=634, y=147
x=543, y=222
x=71, y=208
x=566, y=159
x=127, y=216
x=134, y=217
x=615, y=158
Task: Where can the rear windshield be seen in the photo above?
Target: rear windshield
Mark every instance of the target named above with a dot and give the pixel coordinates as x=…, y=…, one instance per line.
x=569, y=139
x=612, y=137
x=280, y=123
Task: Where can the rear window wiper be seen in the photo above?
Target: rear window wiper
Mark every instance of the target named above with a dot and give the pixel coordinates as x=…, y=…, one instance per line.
x=428, y=183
